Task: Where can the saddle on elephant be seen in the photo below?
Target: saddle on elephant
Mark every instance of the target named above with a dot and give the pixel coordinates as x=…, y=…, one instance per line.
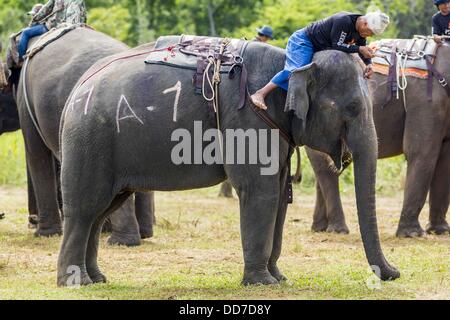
x=401, y=58
x=208, y=57
x=410, y=53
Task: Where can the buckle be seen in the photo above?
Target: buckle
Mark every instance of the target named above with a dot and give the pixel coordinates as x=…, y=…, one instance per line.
x=238, y=60
x=443, y=82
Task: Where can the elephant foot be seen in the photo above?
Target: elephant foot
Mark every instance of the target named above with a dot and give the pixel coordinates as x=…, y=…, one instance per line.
x=339, y=228
x=319, y=226
x=121, y=240
x=97, y=277
x=410, y=231
x=258, y=278
x=69, y=280
x=48, y=232
x=438, y=228
x=276, y=273
x=388, y=273
x=146, y=234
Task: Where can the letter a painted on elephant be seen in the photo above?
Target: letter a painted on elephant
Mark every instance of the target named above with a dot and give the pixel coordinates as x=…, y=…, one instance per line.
x=124, y=111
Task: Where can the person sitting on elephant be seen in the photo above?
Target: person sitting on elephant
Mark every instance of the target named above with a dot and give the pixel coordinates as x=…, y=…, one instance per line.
x=343, y=31
x=32, y=31
x=51, y=15
x=264, y=34
x=441, y=20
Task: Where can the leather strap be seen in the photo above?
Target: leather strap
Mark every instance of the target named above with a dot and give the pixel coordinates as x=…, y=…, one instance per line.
x=433, y=72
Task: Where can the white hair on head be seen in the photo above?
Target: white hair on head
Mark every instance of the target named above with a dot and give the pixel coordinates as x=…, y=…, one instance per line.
x=377, y=21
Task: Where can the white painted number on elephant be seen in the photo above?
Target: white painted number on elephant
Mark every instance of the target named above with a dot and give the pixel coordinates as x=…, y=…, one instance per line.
x=177, y=89
x=80, y=98
x=124, y=111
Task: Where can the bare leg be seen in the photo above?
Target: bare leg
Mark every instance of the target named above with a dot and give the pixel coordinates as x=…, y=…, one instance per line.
x=258, y=98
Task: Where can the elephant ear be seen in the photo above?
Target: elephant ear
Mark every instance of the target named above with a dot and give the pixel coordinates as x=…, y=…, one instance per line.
x=298, y=96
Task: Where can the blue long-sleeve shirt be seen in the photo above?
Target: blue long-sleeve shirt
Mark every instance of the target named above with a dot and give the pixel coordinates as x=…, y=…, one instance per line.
x=337, y=32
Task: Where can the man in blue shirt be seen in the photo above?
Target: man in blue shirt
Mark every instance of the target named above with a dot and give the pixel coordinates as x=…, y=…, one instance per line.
x=342, y=31
x=441, y=20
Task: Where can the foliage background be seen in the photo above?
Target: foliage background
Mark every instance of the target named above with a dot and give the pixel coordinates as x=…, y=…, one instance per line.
x=139, y=21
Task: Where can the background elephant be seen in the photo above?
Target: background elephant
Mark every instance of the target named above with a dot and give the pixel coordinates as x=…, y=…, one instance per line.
x=422, y=133
x=126, y=141
x=50, y=77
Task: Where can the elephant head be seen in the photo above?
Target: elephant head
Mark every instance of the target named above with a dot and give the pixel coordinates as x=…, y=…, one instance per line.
x=9, y=118
x=333, y=109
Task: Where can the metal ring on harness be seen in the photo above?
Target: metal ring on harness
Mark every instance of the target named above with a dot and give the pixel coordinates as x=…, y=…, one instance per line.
x=238, y=60
x=443, y=82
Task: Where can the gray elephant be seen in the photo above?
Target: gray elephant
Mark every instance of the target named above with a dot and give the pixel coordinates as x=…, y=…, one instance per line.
x=422, y=133
x=125, y=143
x=50, y=77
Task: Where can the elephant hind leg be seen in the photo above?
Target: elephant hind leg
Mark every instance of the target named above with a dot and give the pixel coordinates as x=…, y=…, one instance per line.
x=440, y=193
x=92, y=249
x=84, y=207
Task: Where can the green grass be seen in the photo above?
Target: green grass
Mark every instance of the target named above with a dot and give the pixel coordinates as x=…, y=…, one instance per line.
x=196, y=254
x=12, y=159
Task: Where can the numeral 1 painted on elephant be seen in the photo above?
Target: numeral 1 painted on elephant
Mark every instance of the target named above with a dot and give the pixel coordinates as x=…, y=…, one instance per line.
x=177, y=89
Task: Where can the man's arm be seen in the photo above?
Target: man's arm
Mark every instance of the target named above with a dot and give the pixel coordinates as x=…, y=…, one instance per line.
x=362, y=43
x=45, y=11
x=339, y=31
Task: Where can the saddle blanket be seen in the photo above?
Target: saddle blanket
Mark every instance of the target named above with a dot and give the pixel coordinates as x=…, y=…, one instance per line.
x=413, y=50
x=185, y=51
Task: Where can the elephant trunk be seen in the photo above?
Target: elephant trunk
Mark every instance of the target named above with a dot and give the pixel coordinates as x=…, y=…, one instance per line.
x=362, y=141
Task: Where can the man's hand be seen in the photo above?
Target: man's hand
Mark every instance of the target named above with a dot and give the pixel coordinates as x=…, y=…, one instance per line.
x=368, y=73
x=437, y=39
x=366, y=52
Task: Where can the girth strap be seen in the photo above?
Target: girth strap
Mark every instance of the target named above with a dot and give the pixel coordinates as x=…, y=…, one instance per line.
x=262, y=114
x=392, y=77
x=433, y=72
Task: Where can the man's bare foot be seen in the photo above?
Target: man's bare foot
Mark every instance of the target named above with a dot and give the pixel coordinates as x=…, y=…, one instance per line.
x=258, y=100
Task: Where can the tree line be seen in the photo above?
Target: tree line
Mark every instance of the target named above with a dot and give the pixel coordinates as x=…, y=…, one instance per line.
x=140, y=21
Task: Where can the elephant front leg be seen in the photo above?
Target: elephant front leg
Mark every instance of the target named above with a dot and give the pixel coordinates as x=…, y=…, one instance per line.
x=440, y=193
x=226, y=190
x=279, y=225
x=145, y=213
x=259, y=208
x=328, y=213
x=125, y=228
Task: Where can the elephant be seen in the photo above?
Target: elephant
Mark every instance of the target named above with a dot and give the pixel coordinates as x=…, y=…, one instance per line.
x=422, y=134
x=127, y=141
x=50, y=77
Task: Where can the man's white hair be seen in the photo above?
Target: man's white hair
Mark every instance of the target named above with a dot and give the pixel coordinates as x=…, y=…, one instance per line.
x=377, y=21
